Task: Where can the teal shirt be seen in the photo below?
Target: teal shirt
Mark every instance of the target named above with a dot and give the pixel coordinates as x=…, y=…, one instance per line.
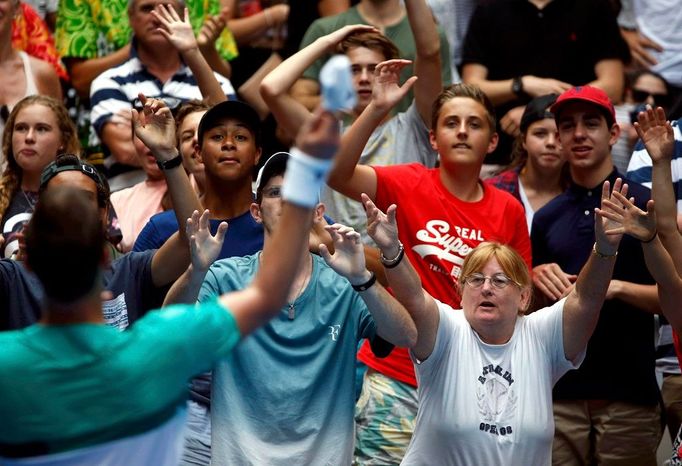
x=286, y=394
x=71, y=386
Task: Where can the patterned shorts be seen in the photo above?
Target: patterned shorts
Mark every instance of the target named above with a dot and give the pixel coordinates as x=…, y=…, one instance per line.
x=384, y=416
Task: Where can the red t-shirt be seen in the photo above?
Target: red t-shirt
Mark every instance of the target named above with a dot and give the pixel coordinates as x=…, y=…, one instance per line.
x=438, y=232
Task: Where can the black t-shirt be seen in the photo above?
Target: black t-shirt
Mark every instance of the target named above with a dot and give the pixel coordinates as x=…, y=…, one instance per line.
x=16, y=217
x=564, y=41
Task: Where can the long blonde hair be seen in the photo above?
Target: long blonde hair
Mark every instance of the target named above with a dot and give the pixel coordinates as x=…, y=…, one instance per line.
x=10, y=180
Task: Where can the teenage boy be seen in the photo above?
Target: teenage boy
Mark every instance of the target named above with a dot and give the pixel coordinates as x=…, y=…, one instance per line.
x=445, y=213
x=120, y=396
x=304, y=413
x=606, y=411
x=400, y=139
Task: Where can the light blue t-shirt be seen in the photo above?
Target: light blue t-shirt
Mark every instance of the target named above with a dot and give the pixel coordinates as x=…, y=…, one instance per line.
x=71, y=386
x=286, y=394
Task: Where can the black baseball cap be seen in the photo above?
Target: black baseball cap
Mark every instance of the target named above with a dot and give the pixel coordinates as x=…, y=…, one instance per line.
x=537, y=109
x=230, y=109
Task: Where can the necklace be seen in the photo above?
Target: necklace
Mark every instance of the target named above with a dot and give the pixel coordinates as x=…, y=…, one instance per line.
x=31, y=199
x=291, y=306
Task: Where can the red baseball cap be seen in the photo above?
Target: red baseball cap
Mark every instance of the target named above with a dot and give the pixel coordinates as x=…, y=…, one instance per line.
x=589, y=94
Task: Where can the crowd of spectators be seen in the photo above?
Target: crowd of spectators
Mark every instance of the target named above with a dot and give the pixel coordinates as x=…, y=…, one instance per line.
x=205, y=258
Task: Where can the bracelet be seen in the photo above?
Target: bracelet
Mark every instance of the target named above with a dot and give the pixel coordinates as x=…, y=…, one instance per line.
x=268, y=20
x=367, y=285
x=304, y=178
x=390, y=263
x=603, y=256
x=168, y=164
x=653, y=237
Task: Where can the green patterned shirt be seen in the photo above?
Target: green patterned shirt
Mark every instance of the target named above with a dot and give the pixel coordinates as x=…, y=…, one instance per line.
x=95, y=28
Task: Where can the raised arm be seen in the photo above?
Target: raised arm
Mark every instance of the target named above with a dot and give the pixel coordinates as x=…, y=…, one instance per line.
x=347, y=177
x=584, y=302
x=205, y=249
x=659, y=140
x=179, y=33
x=427, y=65
x=306, y=171
x=394, y=324
x=208, y=35
x=403, y=279
x=155, y=126
x=642, y=226
x=290, y=113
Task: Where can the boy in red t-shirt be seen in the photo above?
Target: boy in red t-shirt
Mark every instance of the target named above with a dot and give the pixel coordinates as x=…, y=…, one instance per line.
x=444, y=213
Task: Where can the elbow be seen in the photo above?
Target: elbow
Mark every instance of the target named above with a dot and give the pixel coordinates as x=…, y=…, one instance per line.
x=410, y=337
x=268, y=89
x=81, y=85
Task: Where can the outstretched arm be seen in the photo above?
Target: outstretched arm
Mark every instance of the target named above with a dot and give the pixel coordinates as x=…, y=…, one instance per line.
x=427, y=61
x=393, y=322
x=204, y=249
x=290, y=113
x=155, y=126
x=659, y=140
x=642, y=226
x=179, y=33
x=263, y=298
x=403, y=279
x=584, y=302
x=347, y=177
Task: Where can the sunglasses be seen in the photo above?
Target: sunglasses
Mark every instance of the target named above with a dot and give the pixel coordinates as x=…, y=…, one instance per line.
x=660, y=100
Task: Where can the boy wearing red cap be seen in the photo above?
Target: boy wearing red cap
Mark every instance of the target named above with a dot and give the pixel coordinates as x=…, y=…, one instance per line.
x=607, y=411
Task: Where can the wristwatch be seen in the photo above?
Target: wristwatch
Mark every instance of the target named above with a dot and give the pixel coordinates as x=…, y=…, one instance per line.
x=168, y=164
x=517, y=87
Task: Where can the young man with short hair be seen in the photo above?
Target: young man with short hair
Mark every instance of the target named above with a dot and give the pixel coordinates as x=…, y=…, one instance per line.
x=614, y=394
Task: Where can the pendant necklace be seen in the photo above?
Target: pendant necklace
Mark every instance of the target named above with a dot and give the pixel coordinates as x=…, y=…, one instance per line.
x=31, y=199
x=291, y=308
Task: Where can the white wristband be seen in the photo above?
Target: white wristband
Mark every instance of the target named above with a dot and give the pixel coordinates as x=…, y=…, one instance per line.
x=304, y=178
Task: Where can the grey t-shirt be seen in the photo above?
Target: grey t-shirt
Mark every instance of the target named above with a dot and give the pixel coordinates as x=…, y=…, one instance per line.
x=402, y=139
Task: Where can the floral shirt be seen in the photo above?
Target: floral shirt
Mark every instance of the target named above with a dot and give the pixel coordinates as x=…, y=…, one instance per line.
x=94, y=28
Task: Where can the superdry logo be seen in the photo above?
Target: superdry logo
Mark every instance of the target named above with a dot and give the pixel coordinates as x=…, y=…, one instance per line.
x=444, y=245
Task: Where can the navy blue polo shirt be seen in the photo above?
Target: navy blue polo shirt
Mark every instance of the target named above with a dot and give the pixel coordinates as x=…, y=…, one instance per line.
x=619, y=364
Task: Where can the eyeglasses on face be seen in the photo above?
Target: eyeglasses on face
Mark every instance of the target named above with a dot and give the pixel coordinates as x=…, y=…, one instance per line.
x=498, y=280
x=272, y=192
x=660, y=100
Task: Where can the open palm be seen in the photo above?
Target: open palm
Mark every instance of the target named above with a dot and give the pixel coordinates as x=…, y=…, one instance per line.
x=656, y=133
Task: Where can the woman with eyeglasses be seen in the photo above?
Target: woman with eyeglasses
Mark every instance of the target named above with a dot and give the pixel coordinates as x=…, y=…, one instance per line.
x=37, y=130
x=486, y=372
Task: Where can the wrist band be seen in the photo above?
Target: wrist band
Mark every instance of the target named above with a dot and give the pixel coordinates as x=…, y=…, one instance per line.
x=304, y=178
x=168, y=164
x=368, y=284
x=653, y=237
x=603, y=256
x=390, y=263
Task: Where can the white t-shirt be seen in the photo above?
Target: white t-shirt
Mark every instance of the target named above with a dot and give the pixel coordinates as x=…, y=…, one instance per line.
x=489, y=404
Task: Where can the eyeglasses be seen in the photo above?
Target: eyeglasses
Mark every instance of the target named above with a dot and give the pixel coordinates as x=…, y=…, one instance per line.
x=499, y=280
x=660, y=100
x=272, y=192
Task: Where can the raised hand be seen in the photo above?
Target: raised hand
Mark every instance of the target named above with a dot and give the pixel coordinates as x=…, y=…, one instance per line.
x=382, y=227
x=178, y=31
x=212, y=28
x=628, y=218
x=335, y=37
x=387, y=91
x=204, y=247
x=319, y=136
x=656, y=133
x=607, y=244
x=155, y=126
x=348, y=259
